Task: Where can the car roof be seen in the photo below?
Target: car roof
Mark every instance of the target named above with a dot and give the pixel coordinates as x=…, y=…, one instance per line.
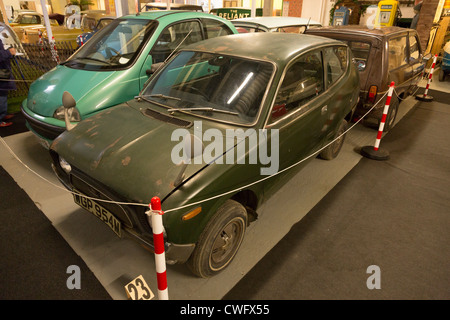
x=359, y=30
x=269, y=46
x=274, y=22
x=170, y=14
x=163, y=5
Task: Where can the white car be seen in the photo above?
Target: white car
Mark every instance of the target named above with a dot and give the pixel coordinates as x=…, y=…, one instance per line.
x=274, y=24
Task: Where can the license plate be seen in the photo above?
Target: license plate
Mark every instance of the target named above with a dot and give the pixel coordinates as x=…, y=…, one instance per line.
x=100, y=212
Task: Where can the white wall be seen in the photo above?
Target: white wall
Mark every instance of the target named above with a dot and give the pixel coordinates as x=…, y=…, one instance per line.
x=318, y=10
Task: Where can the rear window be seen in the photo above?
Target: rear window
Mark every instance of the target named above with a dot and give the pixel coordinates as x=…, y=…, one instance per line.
x=360, y=52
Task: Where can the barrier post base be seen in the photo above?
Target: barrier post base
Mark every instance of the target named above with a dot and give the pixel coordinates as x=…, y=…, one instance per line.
x=371, y=153
x=427, y=98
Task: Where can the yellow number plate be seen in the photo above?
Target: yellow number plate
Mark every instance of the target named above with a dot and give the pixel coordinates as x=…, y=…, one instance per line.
x=100, y=212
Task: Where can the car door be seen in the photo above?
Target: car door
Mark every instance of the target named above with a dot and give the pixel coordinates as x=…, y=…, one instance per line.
x=174, y=37
x=415, y=58
x=336, y=61
x=299, y=112
x=399, y=69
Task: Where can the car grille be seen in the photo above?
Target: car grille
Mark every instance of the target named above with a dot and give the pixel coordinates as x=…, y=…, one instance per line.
x=118, y=210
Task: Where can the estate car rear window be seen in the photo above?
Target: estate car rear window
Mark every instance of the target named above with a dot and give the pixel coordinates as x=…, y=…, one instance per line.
x=216, y=86
x=360, y=52
x=114, y=47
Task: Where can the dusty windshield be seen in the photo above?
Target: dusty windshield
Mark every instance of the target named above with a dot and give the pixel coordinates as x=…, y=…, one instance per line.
x=216, y=86
x=114, y=47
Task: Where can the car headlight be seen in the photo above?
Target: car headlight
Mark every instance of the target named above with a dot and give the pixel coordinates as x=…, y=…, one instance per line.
x=65, y=165
x=74, y=114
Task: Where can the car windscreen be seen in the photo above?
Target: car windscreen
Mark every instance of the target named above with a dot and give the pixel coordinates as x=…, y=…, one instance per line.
x=221, y=87
x=114, y=47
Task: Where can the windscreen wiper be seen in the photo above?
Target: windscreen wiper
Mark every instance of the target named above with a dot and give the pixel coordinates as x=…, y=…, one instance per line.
x=172, y=110
x=162, y=96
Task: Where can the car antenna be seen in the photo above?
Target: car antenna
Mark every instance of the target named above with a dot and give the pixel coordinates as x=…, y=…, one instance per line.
x=170, y=55
x=307, y=25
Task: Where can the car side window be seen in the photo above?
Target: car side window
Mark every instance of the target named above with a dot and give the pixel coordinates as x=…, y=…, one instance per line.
x=29, y=19
x=174, y=36
x=292, y=29
x=397, y=52
x=336, y=60
x=413, y=48
x=214, y=28
x=302, y=82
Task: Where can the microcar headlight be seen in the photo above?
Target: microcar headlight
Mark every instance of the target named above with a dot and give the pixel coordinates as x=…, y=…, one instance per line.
x=65, y=165
x=74, y=114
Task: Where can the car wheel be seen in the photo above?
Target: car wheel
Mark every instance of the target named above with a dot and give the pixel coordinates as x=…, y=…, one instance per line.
x=333, y=149
x=392, y=114
x=441, y=75
x=220, y=240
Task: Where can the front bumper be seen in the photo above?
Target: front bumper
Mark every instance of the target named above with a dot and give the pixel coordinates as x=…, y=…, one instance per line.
x=133, y=218
x=42, y=129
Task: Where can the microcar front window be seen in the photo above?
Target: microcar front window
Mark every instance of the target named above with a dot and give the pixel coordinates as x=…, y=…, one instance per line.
x=217, y=86
x=114, y=47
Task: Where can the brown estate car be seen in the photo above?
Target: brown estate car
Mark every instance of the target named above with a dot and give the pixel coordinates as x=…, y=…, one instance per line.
x=382, y=55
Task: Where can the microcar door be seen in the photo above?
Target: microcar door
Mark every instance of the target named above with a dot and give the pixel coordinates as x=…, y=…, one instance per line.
x=339, y=93
x=174, y=37
x=299, y=112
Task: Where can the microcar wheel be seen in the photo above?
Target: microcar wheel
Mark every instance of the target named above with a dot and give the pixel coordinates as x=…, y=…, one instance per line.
x=333, y=149
x=220, y=240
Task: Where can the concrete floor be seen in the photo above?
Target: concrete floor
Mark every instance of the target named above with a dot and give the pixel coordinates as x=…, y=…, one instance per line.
x=116, y=261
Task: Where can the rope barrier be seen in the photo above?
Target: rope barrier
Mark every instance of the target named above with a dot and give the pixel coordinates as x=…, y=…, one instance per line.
x=201, y=201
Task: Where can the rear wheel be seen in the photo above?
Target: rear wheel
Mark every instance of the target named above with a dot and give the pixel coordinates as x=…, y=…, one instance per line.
x=220, y=240
x=392, y=114
x=333, y=149
x=441, y=75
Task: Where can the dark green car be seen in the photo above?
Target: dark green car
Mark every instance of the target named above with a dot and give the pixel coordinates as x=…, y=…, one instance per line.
x=211, y=135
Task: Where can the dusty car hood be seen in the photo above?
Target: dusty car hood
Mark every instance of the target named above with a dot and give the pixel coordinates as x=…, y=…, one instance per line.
x=45, y=94
x=125, y=150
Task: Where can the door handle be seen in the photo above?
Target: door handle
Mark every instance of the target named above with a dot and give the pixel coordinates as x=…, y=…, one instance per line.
x=324, y=110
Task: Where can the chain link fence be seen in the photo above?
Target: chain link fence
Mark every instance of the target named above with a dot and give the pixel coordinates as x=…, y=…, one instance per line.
x=33, y=61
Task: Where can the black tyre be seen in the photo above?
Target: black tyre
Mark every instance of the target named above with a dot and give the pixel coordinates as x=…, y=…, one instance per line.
x=220, y=240
x=441, y=75
x=392, y=114
x=333, y=149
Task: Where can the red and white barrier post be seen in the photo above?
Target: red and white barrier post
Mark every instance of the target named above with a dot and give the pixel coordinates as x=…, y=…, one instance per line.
x=425, y=96
x=158, y=242
x=53, y=50
x=374, y=152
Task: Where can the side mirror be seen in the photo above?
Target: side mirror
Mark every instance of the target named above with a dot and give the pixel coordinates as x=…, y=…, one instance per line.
x=191, y=150
x=68, y=103
x=427, y=57
x=155, y=67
